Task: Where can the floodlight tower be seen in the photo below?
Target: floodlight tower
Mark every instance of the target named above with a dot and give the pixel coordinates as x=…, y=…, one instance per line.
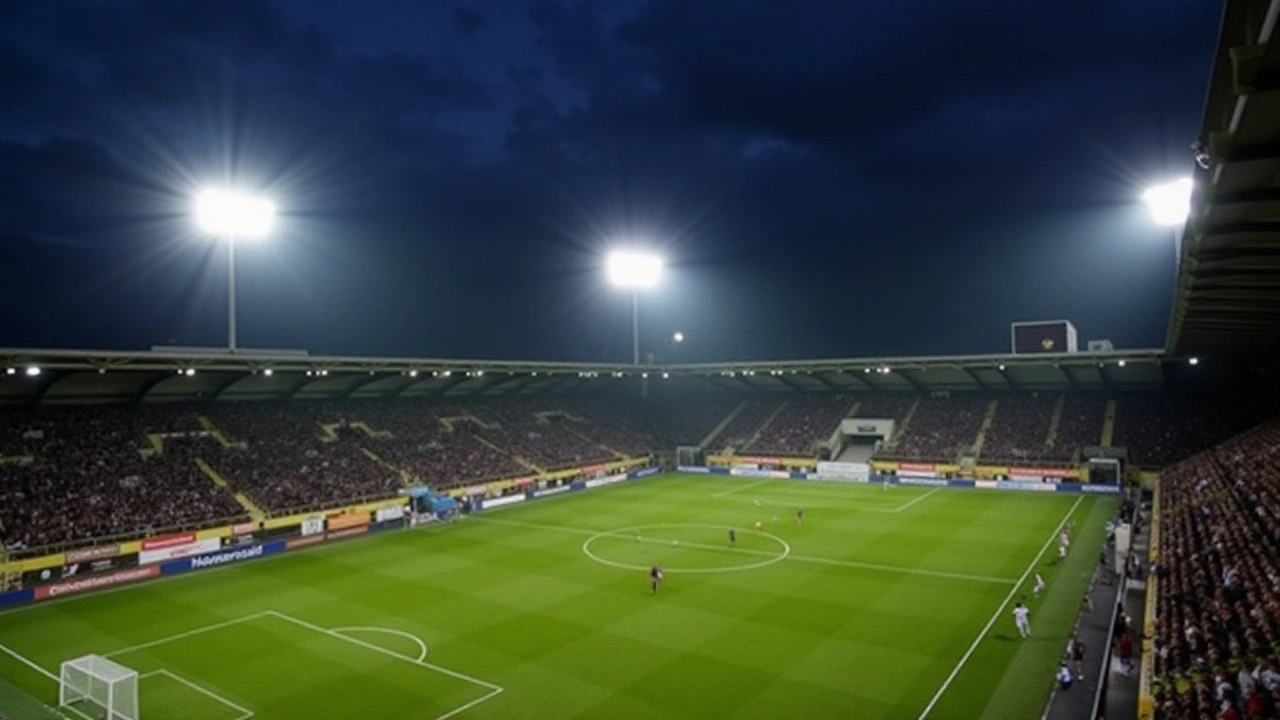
x=233, y=216
x=1170, y=204
x=634, y=271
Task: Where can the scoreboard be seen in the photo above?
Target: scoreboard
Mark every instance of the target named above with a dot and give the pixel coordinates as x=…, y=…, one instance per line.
x=1043, y=336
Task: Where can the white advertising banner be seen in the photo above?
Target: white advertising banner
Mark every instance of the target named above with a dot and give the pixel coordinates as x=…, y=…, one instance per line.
x=500, y=501
x=856, y=472
x=313, y=525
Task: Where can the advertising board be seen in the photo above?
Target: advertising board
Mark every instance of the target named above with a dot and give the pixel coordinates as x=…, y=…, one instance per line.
x=500, y=501
x=338, y=521
x=173, y=552
x=610, y=480
x=95, y=582
x=168, y=541
x=855, y=472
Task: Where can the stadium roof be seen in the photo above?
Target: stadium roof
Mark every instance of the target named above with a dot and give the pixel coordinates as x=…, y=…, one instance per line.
x=79, y=376
x=1228, y=290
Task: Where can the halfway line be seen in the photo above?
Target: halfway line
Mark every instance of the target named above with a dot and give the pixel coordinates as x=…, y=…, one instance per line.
x=765, y=553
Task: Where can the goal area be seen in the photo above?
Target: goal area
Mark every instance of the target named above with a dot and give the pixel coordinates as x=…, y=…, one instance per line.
x=107, y=685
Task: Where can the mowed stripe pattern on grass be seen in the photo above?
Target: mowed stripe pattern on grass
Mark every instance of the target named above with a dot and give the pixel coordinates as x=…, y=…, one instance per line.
x=520, y=606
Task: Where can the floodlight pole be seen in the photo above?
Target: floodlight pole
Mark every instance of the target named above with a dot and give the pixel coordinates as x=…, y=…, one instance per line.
x=635, y=328
x=231, y=293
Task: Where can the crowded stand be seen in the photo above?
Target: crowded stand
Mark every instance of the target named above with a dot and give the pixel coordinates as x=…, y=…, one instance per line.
x=1161, y=429
x=95, y=475
x=285, y=465
x=941, y=428
x=1079, y=425
x=439, y=446
x=748, y=421
x=1217, y=625
x=544, y=435
x=689, y=421
x=801, y=421
x=885, y=406
x=1020, y=427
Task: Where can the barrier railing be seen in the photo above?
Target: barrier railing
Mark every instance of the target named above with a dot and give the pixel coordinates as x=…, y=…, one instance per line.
x=1146, y=677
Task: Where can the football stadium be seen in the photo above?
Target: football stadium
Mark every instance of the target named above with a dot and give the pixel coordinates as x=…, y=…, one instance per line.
x=226, y=534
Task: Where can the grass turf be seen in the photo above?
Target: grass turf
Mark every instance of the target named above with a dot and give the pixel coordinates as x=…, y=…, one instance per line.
x=866, y=609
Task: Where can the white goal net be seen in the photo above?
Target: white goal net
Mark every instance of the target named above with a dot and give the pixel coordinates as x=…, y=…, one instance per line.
x=101, y=682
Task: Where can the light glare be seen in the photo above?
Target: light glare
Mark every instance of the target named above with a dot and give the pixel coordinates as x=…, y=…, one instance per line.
x=634, y=270
x=33, y=371
x=225, y=213
x=1170, y=202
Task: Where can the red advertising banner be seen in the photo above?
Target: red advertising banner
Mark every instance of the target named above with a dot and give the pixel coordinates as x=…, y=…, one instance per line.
x=335, y=535
x=168, y=541
x=101, y=552
x=521, y=482
x=243, y=528
x=346, y=520
x=915, y=467
x=303, y=541
x=1041, y=472
x=759, y=460
x=95, y=582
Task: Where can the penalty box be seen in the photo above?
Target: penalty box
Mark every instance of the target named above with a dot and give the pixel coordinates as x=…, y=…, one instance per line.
x=272, y=664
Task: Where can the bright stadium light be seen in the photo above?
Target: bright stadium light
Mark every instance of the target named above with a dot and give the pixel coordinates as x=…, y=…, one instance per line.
x=634, y=271
x=1170, y=202
x=226, y=213
x=33, y=370
x=1194, y=361
x=233, y=216
x=678, y=337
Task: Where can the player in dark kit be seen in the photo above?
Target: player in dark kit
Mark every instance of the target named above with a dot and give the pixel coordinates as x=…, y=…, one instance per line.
x=655, y=578
x=799, y=515
x=733, y=537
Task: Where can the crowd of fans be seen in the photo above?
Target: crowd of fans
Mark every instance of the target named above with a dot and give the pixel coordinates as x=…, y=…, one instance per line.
x=1159, y=429
x=1217, y=625
x=95, y=475
x=1079, y=425
x=941, y=428
x=799, y=422
x=688, y=421
x=1020, y=427
x=285, y=464
x=751, y=417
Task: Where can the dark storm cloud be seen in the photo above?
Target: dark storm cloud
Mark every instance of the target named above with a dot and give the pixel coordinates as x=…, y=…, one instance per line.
x=833, y=178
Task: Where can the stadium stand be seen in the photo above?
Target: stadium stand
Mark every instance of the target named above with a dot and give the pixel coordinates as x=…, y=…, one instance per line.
x=940, y=429
x=1080, y=425
x=885, y=406
x=799, y=423
x=96, y=476
x=1217, y=629
x=285, y=465
x=688, y=421
x=750, y=418
x=1161, y=429
x=1020, y=427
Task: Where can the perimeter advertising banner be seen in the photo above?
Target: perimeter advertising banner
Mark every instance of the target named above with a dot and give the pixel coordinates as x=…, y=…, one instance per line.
x=917, y=469
x=171, y=551
x=847, y=471
x=341, y=521
x=95, y=582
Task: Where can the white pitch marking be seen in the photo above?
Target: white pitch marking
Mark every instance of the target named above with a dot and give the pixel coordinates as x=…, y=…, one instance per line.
x=245, y=713
x=382, y=650
x=389, y=631
x=747, y=551
x=188, y=633
x=913, y=502
x=740, y=488
x=996, y=616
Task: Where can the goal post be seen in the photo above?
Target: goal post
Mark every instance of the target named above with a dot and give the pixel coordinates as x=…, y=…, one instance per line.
x=97, y=680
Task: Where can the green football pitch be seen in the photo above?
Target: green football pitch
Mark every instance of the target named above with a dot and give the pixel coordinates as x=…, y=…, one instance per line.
x=881, y=604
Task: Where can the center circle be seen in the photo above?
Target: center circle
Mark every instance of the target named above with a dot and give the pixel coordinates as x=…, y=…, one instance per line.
x=664, y=540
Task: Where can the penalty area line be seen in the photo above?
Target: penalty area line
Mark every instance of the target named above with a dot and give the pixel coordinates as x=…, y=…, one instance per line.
x=1000, y=610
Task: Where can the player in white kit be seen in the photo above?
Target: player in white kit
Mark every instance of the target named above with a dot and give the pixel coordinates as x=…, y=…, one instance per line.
x=1022, y=618
x=1039, y=584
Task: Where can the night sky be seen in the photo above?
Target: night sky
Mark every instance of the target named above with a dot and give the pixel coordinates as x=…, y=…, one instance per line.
x=826, y=179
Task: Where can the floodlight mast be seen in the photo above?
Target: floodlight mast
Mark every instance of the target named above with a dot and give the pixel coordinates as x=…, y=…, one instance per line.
x=1169, y=204
x=634, y=271
x=232, y=215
